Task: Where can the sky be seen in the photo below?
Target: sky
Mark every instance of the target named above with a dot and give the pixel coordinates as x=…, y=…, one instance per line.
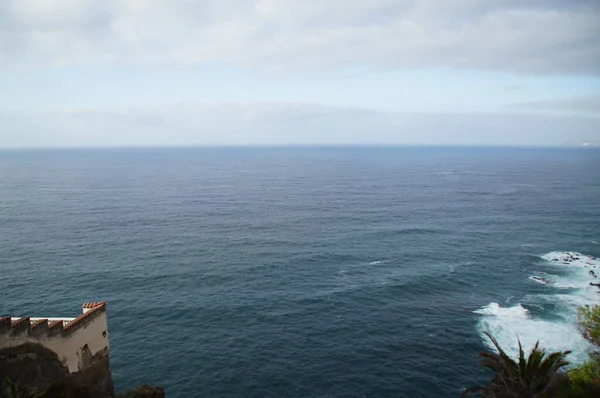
x=96, y=73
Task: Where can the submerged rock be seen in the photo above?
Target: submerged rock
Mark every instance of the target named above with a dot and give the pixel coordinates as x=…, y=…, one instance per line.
x=144, y=391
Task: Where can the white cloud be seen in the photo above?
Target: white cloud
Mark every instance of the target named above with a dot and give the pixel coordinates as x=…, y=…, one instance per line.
x=549, y=36
x=585, y=104
x=284, y=124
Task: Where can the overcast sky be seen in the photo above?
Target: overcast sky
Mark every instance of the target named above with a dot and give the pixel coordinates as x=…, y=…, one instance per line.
x=261, y=72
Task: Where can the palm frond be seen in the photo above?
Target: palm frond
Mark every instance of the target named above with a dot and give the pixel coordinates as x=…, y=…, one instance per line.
x=470, y=391
x=528, y=376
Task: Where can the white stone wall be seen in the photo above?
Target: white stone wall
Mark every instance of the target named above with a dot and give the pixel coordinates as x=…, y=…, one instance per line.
x=94, y=333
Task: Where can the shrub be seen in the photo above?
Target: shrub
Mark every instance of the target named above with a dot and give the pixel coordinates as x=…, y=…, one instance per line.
x=589, y=320
x=586, y=377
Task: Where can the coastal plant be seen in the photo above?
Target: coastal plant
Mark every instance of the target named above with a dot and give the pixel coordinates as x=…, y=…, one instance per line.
x=586, y=375
x=589, y=321
x=530, y=376
x=18, y=390
x=59, y=389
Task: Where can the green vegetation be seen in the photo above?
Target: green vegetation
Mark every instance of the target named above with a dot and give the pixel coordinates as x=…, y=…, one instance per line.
x=585, y=379
x=541, y=375
x=59, y=389
x=17, y=390
x=529, y=377
x=67, y=389
x=589, y=320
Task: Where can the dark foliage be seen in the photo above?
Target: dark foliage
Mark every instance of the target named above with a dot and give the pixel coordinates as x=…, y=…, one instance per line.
x=532, y=376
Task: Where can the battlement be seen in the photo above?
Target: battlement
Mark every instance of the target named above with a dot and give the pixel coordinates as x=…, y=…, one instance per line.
x=61, y=346
x=39, y=327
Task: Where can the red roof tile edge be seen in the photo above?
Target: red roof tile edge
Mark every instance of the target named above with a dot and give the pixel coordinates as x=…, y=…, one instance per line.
x=16, y=324
x=94, y=310
x=93, y=305
x=55, y=324
x=38, y=323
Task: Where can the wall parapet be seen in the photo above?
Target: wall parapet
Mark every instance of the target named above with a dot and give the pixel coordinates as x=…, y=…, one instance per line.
x=14, y=326
x=42, y=351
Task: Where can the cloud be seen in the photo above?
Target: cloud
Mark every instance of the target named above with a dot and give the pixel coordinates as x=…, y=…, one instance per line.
x=585, y=104
x=531, y=37
x=514, y=87
x=283, y=124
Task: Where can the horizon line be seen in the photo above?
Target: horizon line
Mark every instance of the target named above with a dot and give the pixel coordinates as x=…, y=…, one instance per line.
x=294, y=146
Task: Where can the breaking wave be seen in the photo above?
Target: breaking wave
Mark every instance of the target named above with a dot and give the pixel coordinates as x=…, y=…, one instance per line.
x=539, y=279
x=378, y=262
x=557, y=329
x=494, y=309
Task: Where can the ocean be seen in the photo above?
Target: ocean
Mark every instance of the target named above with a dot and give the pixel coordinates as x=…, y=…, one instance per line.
x=305, y=272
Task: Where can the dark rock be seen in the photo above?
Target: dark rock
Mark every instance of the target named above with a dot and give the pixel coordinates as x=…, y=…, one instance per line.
x=144, y=391
x=30, y=366
x=36, y=368
x=66, y=389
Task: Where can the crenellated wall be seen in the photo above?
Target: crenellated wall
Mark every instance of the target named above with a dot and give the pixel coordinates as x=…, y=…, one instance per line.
x=55, y=349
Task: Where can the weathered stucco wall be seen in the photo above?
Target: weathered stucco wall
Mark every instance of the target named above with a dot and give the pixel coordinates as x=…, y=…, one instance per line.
x=40, y=352
x=69, y=348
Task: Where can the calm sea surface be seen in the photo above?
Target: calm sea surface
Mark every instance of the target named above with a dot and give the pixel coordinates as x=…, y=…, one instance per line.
x=306, y=272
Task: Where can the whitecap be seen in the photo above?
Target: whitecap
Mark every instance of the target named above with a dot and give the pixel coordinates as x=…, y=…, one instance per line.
x=379, y=262
x=563, y=283
x=560, y=333
x=573, y=259
x=494, y=309
x=511, y=324
x=539, y=279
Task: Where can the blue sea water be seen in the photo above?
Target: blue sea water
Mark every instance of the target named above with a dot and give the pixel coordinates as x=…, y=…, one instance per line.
x=303, y=272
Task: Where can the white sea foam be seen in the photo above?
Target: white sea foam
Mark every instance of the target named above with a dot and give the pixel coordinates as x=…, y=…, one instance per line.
x=564, y=284
x=494, y=309
x=582, y=270
x=539, y=279
x=510, y=324
x=575, y=280
x=379, y=262
x=572, y=259
x=560, y=333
